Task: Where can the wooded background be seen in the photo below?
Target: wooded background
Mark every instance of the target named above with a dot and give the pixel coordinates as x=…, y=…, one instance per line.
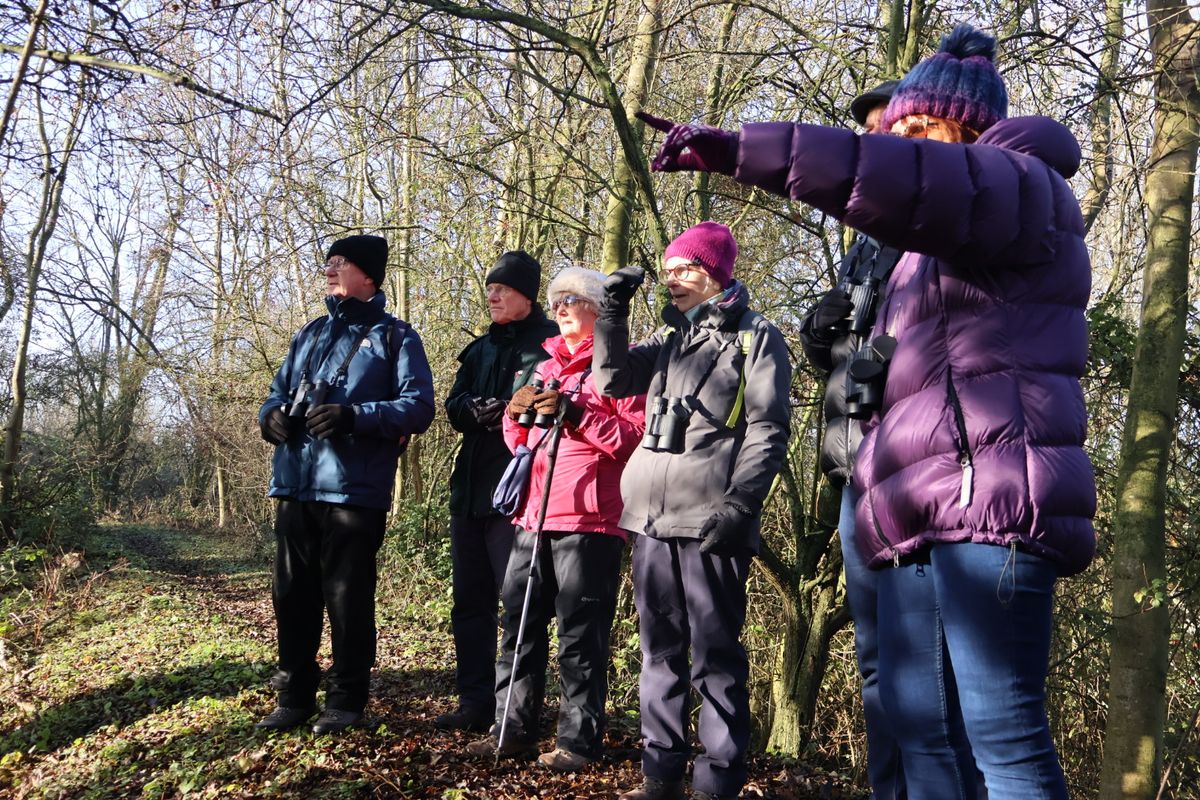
x=173, y=172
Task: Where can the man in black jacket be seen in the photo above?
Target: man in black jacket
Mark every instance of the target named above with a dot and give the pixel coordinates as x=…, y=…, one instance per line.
x=832, y=333
x=492, y=368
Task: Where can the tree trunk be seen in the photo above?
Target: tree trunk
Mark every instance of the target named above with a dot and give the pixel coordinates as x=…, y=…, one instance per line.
x=53, y=181
x=804, y=655
x=1138, y=671
x=1106, y=89
x=615, y=250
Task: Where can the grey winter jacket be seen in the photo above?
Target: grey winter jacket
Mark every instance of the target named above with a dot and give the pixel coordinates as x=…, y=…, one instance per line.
x=671, y=495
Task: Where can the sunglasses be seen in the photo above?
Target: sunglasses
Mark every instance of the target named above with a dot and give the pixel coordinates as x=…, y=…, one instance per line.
x=568, y=301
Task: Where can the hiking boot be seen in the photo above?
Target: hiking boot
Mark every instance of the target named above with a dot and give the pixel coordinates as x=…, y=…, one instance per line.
x=283, y=718
x=561, y=760
x=335, y=720
x=699, y=795
x=654, y=789
x=513, y=747
x=463, y=719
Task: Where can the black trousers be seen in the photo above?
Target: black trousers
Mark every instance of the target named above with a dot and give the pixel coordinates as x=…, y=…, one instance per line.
x=576, y=583
x=479, y=548
x=692, y=607
x=325, y=560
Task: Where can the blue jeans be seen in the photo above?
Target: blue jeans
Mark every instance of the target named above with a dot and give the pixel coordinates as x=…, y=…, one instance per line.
x=883, y=755
x=964, y=647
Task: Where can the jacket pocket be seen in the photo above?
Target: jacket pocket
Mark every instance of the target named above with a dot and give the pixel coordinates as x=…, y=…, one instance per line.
x=966, y=458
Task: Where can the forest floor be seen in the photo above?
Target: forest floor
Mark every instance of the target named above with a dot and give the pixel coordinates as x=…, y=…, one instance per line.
x=139, y=669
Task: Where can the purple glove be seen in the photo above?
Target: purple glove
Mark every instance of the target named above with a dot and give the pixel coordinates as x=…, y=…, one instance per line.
x=708, y=149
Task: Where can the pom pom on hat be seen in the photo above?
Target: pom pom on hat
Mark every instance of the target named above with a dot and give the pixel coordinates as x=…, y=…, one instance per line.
x=959, y=83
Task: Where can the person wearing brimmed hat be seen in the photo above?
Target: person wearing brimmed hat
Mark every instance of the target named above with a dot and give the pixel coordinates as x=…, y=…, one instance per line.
x=579, y=559
x=716, y=381
x=977, y=494
x=831, y=333
x=355, y=385
x=491, y=368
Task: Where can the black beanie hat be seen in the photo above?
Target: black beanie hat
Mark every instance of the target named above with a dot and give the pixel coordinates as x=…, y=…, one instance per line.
x=368, y=253
x=861, y=106
x=517, y=269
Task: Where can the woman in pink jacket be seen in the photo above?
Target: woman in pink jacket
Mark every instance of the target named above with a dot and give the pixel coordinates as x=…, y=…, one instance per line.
x=580, y=557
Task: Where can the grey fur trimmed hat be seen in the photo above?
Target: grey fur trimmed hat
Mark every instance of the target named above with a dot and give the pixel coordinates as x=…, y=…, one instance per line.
x=586, y=283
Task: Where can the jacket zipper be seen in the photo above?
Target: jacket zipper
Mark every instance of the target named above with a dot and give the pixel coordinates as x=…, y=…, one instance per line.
x=965, y=458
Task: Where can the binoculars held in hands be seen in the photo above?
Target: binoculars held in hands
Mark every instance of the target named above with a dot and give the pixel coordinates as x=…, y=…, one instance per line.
x=530, y=417
x=307, y=395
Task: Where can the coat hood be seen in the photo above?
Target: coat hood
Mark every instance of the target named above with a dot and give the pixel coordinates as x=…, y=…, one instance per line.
x=1040, y=137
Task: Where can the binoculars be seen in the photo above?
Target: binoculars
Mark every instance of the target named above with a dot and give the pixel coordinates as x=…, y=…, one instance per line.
x=666, y=425
x=304, y=397
x=867, y=375
x=529, y=417
x=864, y=296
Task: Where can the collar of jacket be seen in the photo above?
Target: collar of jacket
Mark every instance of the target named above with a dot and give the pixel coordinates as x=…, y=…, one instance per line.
x=353, y=310
x=712, y=316
x=511, y=330
x=570, y=362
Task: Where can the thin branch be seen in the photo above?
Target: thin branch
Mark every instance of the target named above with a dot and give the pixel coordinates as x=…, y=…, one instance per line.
x=173, y=78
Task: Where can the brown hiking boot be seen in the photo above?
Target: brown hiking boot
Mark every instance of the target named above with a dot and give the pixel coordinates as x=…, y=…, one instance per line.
x=513, y=748
x=561, y=760
x=654, y=789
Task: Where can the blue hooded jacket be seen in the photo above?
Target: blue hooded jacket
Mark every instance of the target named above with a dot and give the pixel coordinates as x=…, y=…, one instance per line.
x=391, y=401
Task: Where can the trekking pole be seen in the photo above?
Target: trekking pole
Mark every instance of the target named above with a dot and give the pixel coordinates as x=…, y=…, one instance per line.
x=551, y=456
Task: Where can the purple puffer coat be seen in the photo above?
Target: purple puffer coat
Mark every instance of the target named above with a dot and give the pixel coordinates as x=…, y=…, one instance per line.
x=980, y=434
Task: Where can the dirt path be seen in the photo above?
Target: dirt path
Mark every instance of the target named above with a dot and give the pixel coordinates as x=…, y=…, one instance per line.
x=151, y=679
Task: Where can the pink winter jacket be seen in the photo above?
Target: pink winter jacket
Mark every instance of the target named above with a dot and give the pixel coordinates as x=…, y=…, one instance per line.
x=585, y=493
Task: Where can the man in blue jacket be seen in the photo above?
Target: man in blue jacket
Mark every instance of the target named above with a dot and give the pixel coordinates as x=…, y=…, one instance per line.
x=355, y=385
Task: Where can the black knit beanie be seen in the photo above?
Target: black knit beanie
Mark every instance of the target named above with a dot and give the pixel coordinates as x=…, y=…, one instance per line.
x=368, y=253
x=517, y=269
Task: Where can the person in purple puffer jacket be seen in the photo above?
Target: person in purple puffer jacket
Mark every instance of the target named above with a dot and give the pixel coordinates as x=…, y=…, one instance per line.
x=977, y=493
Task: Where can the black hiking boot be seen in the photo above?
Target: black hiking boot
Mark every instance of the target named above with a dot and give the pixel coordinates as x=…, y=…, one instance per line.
x=463, y=719
x=284, y=718
x=335, y=720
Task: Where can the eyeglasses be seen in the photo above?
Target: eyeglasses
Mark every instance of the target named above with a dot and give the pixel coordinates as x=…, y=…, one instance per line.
x=918, y=126
x=568, y=301
x=336, y=264
x=683, y=271
x=498, y=289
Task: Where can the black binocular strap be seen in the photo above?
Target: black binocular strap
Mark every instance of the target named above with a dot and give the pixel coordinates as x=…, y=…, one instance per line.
x=341, y=370
x=703, y=378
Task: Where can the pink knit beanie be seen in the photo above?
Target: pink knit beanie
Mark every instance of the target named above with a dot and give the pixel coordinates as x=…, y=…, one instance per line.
x=711, y=244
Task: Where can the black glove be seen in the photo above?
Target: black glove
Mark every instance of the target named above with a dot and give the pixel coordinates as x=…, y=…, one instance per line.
x=726, y=531
x=619, y=289
x=329, y=420
x=486, y=412
x=832, y=309
x=274, y=426
x=551, y=401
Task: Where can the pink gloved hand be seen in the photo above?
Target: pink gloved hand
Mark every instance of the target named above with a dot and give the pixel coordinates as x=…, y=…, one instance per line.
x=692, y=146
